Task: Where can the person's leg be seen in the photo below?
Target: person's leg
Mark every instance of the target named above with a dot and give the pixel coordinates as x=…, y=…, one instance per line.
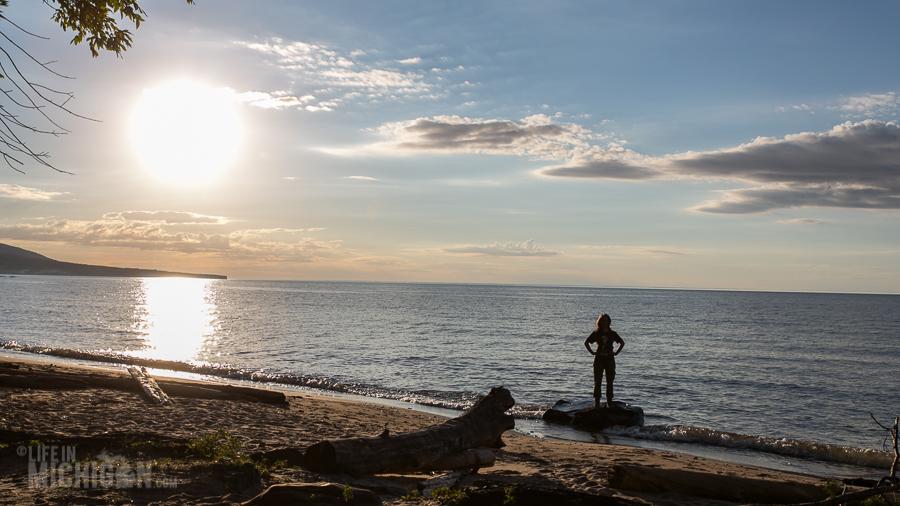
x=598, y=382
x=610, y=376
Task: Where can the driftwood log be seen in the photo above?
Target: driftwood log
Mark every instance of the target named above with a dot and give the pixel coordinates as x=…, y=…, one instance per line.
x=149, y=386
x=481, y=425
x=711, y=486
x=40, y=377
x=466, y=459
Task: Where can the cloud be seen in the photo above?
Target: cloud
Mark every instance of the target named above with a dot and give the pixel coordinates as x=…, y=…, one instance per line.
x=324, y=106
x=14, y=191
x=166, y=217
x=803, y=221
x=301, y=54
x=375, y=79
x=870, y=104
x=653, y=251
x=273, y=100
x=599, y=163
x=535, y=136
x=115, y=230
x=762, y=199
x=801, y=107
x=277, y=230
x=367, y=178
x=853, y=165
x=330, y=73
x=509, y=249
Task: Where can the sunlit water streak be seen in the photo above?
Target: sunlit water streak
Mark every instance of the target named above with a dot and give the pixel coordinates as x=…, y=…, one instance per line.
x=775, y=372
x=175, y=316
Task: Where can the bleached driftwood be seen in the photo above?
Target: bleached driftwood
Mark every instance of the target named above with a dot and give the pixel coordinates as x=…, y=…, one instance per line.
x=480, y=426
x=449, y=480
x=149, y=386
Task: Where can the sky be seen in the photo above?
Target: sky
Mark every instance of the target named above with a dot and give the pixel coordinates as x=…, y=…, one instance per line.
x=691, y=144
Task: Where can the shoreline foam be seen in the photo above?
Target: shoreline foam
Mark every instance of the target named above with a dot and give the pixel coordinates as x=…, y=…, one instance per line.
x=84, y=414
x=778, y=455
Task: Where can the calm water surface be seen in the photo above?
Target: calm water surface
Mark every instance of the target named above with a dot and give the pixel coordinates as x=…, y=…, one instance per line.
x=768, y=367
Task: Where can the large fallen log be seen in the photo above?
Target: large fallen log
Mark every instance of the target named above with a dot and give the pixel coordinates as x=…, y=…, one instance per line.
x=711, y=486
x=55, y=378
x=466, y=459
x=481, y=425
x=222, y=392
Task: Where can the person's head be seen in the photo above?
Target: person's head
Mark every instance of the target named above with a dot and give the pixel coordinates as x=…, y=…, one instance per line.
x=603, y=322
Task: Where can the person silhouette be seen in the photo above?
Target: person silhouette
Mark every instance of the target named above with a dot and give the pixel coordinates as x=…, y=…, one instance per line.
x=604, y=357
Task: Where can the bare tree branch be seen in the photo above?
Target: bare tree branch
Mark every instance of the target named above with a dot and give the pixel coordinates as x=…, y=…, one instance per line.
x=94, y=21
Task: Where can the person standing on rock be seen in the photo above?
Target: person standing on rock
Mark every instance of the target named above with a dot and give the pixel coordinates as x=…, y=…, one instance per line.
x=604, y=357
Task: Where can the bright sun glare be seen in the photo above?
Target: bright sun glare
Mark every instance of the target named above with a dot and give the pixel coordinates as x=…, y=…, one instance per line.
x=186, y=132
x=176, y=316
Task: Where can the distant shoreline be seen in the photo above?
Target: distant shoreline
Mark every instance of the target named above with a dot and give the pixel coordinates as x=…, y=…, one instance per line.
x=138, y=273
x=21, y=262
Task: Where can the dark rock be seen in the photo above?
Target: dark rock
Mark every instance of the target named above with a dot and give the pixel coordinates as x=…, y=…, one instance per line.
x=237, y=478
x=584, y=414
x=293, y=456
x=564, y=411
x=605, y=417
x=325, y=493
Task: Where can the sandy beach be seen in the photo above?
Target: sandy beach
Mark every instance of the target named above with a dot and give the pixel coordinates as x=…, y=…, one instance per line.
x=124, y=423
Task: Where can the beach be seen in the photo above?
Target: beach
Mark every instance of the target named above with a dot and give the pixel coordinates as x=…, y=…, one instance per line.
x=95, y=420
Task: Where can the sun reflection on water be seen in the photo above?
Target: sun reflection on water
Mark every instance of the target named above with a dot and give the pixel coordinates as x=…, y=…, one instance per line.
x=176, y=316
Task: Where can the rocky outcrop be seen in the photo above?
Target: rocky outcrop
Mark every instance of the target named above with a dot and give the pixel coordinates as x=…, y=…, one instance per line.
x=583, y=414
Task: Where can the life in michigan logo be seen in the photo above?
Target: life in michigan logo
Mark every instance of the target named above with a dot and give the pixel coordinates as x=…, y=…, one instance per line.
x=57, y=466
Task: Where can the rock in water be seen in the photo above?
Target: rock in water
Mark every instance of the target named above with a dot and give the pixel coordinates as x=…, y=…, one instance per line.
x=603, y=417
x=583, y=414
x=564, y=411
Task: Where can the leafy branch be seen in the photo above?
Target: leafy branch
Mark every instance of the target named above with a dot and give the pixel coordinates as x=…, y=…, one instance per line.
x=94, y=21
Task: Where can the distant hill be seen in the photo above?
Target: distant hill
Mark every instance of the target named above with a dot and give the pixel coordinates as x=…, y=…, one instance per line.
x=15, y=260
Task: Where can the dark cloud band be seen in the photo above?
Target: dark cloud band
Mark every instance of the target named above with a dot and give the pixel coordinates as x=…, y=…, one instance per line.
x=854, y=165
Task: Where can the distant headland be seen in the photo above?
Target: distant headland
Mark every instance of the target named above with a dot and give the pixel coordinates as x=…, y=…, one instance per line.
x=15, y=260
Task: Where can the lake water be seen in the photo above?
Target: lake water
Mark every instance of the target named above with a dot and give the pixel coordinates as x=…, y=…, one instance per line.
x=792, y=376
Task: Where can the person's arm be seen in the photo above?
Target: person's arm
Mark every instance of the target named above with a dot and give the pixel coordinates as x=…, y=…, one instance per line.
x=621, y=345
x=587, y=344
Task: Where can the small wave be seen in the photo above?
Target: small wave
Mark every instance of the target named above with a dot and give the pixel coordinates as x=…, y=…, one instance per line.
x=786, y=447
x=461, y=401
x=456, y=401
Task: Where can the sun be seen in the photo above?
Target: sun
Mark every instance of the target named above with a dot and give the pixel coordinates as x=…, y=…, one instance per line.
x=186, y=132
